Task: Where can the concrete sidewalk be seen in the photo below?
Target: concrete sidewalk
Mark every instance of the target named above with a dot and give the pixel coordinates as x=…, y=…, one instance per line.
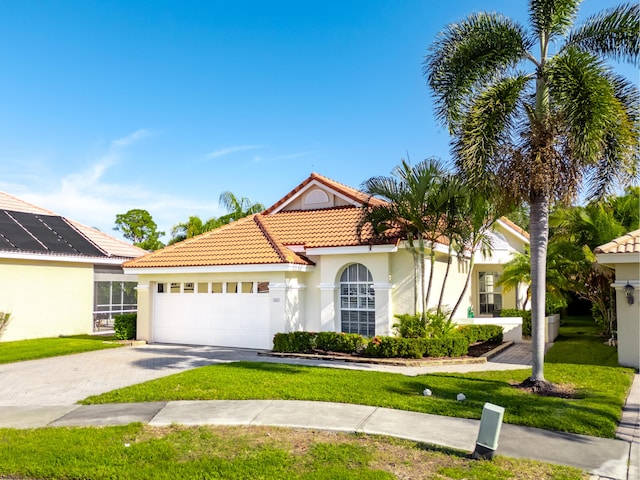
x=601, y=457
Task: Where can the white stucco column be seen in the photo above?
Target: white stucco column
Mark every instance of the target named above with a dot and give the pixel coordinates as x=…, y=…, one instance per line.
x=145, y=311
x=328, y=318
x=277, y=309
x=384, y=315
x=287, y=306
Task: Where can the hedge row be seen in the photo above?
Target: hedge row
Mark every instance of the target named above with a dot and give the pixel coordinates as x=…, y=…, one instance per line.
x=481, y=333
x=455, y=344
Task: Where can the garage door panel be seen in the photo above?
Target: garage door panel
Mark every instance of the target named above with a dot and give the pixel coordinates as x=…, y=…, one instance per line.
x=234, y=320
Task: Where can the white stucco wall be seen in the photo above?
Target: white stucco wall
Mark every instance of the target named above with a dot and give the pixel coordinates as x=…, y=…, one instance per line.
x=46, y=299
x=627, y=271
x=322, y=311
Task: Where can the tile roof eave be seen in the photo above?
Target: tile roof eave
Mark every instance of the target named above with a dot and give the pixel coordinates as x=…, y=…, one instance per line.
x=626, y=244
x=62, y=257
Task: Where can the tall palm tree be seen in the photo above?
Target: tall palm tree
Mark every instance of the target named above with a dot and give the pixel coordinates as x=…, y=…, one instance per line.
x=539, y=134
x=412, y=210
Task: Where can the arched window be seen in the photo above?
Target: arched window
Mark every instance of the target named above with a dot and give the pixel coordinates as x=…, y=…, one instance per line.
x=357, y=301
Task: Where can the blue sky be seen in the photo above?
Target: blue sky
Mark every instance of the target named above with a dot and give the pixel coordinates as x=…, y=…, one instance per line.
x=162, y=105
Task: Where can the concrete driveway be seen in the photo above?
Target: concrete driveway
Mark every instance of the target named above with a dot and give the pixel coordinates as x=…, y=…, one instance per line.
x=68, y=379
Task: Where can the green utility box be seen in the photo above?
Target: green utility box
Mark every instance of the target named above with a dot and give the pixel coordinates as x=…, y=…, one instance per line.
x=490, y=424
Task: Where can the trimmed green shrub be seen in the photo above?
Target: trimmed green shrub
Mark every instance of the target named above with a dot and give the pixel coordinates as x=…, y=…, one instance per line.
x=453, y=345
x=410, y=326
x=125, y=326
x=339, y=342
x=293, y=342
x=439, y=325
x=481, y=333
x=395, y=347
x=526, y=318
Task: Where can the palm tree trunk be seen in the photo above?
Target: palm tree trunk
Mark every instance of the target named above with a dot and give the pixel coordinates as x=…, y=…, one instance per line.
x=416, y=276
x=539, y=230
x=466, y=285
x=526, y=298
x=432, y=262
x=444, y=280
x=422, y=279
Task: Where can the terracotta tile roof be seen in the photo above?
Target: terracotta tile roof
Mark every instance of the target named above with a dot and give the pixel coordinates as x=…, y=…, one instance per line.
x=110, y=245
x=265, y=238
x=345, y=190
x=331, y=227
x=629, y=243
x=244, y=242
x=518, y=229
x=9, y=202
x=113, y=246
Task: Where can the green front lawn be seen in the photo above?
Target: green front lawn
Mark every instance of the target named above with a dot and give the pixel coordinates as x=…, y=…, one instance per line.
x=599, y=391
x=602, y=391
x=141, y=452
x=53, y=347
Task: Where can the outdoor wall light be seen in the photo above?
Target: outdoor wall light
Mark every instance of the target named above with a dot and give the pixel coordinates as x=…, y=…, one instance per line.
x=628, y=291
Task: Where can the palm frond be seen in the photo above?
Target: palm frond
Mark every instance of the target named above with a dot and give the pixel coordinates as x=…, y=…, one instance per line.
x=465, y=54
x=581, y=89
x=552, y=17
x=613, y=33
x=487, y=125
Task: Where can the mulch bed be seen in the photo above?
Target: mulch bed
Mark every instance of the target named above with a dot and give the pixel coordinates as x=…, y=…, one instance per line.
x=477, y=354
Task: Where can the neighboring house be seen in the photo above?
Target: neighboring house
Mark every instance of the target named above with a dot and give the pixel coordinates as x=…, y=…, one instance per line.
x=299, y=265
x=57, y=276
x=623, y=255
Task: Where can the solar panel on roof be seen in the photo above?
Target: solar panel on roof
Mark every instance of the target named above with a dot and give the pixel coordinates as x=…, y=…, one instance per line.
x=36, y=226
x=42, y=234
x=17, y=236
x=79, y=243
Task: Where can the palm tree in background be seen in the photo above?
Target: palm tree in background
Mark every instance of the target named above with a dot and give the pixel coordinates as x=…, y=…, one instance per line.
x=192, y=227
x=237, y=207
x=540, y=134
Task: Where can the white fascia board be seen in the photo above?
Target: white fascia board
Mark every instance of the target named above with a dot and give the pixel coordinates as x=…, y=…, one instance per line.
x=61, y=258
x=439, y=247
x=352, y=250
x=512, y=230
x=610, y=259
x=316, y=183
x=219, y=269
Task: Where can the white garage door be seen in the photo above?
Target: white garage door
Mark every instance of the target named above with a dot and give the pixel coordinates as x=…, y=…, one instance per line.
x=230, y=314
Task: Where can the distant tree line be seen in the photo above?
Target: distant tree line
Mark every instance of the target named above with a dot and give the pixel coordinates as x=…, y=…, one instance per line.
x=138, y=226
